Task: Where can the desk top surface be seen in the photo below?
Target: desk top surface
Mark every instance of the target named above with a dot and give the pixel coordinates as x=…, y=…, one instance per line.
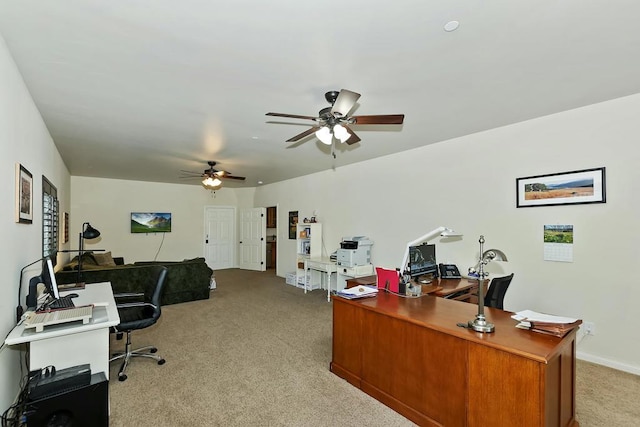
x=443, y=315
x=103, y=317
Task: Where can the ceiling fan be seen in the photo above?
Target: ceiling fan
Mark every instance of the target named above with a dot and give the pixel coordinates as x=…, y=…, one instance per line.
x=211, y=178
x=334, y=122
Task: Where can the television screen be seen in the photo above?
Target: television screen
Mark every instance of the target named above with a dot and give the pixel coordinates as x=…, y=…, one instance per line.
x=150, y=222
x=422, y=260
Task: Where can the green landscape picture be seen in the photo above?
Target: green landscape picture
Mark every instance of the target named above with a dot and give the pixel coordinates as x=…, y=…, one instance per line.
x=558, y=234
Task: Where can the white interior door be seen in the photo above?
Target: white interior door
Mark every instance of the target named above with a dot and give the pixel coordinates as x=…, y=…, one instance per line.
x=220, y=237
x=253, y=229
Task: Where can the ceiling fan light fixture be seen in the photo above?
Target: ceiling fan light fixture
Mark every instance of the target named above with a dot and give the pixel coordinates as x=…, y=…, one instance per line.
x=324, y=135
x=341, y=133
x=211, y=182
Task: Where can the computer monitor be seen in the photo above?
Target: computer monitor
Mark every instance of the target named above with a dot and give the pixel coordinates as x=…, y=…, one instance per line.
x=422, y=260
x=48, y=278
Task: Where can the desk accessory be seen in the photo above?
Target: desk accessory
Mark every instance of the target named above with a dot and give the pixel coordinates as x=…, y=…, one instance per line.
x=480, y=324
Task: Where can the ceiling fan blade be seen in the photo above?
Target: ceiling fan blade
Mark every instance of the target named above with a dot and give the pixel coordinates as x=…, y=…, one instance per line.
x=345, y=102
x=303, y=134
x=241, y=178
x=353, y=138
x=388, y=119
x=292, y=116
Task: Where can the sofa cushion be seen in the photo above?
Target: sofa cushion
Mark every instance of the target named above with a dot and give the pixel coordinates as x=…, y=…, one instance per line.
x=105, y=259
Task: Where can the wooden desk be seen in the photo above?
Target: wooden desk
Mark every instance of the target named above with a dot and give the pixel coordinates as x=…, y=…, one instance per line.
x=409, y=354
x=456, y=289
x=72, y=344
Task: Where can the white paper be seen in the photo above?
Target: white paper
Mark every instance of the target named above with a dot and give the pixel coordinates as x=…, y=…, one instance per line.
x=359, y=291
x=534, y=316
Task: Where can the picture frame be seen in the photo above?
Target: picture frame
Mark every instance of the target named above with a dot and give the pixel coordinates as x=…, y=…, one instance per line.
x=565, y=188
x=24, y=195
x=293, y=223
x=65, y=227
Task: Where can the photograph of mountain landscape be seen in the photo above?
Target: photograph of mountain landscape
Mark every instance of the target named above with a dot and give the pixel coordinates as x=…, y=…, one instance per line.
x=150, y=222
x=577, y=187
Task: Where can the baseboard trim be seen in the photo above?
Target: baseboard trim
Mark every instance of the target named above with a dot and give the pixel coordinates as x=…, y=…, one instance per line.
x=608, y=363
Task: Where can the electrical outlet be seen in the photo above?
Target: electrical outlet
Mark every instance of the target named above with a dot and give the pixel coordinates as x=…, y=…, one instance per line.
x=589, y=328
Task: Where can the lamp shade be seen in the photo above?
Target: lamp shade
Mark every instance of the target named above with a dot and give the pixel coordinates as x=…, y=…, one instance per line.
x=494, y=255
x=341, y=133
x=324, y=135
x=89, y=232
x=211, y=182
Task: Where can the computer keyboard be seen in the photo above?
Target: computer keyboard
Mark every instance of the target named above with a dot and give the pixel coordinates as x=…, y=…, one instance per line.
x=55, y=317
x=62, y=302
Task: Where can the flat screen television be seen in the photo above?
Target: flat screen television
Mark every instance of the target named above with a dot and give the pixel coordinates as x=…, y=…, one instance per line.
x=422, y=260
x=150, y=222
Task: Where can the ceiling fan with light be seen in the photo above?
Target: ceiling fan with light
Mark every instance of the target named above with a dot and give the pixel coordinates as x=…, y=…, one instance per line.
x=334, y=122
x=211, y=178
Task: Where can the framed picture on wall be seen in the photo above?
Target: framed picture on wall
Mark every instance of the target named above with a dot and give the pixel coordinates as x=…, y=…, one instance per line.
x=65, y=227
x=293, y=222
x=565, y=188
x=24, y=195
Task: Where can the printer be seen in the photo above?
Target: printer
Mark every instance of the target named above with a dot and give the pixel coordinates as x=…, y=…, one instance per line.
x=354, y=251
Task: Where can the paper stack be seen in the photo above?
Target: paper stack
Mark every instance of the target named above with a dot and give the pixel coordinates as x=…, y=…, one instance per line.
x=358, y=292
x=545, y=323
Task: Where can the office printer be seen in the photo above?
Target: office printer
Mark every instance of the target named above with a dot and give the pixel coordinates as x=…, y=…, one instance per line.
x=354, y=251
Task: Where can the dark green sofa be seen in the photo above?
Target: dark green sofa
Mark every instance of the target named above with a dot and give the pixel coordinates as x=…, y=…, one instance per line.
x=187, y=280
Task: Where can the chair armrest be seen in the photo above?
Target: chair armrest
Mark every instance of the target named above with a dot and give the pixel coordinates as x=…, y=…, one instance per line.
x=135, y=304
x=129, y=295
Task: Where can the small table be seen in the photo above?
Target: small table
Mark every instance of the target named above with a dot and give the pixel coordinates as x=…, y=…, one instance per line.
x=323, y=265
x=72, y=344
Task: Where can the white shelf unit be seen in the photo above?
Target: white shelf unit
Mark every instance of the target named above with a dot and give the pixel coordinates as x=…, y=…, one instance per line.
x=308, y=245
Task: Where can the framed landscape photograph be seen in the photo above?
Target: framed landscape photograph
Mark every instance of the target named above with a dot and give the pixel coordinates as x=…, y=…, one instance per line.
x=566, y=188
x=24, y=195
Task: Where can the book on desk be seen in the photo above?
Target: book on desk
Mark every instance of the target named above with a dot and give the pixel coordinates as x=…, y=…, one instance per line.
x=546, y=323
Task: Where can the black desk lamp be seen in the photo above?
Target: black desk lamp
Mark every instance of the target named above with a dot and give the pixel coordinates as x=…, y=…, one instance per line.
x=88, y=232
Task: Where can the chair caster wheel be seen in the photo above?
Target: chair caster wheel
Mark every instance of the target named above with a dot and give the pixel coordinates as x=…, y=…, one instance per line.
x=122, y=377
x=153, y=350
x=161, y=362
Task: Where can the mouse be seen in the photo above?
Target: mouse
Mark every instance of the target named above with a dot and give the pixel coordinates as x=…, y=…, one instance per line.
x=73, y=295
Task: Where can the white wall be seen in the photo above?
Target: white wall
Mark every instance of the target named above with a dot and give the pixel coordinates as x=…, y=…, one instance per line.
x=469, y=184
x=107, y=204
x=23, y=139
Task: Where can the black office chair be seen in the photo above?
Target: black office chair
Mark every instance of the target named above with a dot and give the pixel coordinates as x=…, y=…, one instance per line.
x=497, y=289
x=142, y=311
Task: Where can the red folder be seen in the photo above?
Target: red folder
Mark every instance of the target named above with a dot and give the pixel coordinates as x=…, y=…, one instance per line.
x=388, y=279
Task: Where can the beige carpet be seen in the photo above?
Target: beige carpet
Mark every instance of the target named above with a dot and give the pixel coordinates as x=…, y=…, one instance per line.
x=257, y=353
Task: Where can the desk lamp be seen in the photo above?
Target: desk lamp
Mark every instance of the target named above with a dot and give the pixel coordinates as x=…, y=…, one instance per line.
x=480, y=324
x=88, y=232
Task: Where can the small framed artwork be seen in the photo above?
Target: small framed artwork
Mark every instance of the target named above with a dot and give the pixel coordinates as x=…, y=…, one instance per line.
x=293, y=223
x=65, y=227
x=565, y=188
x=24, y=195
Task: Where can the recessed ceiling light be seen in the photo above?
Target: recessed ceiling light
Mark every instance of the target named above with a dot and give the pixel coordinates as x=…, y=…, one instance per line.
x=255, y=137
x=451, y=26
x=259, y=182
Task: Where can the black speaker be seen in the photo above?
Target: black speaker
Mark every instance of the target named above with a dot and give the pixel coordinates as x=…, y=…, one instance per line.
x=87, y=405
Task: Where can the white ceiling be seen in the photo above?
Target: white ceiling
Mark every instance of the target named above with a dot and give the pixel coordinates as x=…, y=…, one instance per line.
x=141, y=89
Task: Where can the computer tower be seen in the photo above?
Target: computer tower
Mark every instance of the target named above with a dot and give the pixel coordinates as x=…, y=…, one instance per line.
x=86, y=405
